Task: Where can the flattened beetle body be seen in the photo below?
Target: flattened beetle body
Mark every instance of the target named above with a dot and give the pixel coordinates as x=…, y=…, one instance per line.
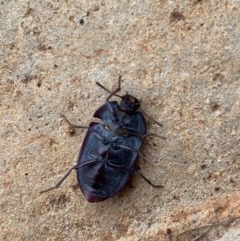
x=110, y=150
x=106, y=162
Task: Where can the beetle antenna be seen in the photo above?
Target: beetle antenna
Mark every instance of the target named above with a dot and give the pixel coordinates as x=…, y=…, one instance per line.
x=112, y=93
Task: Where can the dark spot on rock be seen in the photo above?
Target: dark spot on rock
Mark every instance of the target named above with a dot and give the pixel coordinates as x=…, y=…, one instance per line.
x=209, y=176
x=36, y=31
x=71, y=105
x=28, y=78
x=214, y=106
x=39, y=83
x=59, y=201
x=232, y=180
x=43, y=47
x=81, y=21
x=169, y=231
x=203, y=166
x=218, y=77
x=29, y=12
x=176, y=16
x=71, y=18
x=217, y=189
x=75, y=187
x=176, y=197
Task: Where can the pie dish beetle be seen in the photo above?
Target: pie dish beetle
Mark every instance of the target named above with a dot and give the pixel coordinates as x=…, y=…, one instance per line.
x=110, y=149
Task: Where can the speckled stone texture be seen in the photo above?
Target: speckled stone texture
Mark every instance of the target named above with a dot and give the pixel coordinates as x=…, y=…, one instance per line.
x=181, y=58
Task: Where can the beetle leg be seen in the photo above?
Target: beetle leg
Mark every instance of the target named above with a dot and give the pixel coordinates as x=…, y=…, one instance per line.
x=73, y=125
x=131, y=149
x=118, y=167
x=111, y=94
x=67, y=174
x=155, y=135
x=110, y=109
x=127, y=148
x=96, y=134
x=138, y=172
x=132, y=132
x=61, y=180
x=148, y=181
x=84, y=127
x=116, y=90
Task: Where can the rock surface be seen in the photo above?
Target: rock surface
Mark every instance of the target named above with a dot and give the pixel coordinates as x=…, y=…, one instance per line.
x=181, y=58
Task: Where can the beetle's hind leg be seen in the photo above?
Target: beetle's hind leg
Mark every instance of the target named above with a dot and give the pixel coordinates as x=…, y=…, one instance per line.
x=60, y=181
x=119, y=167
x=146, y=180
x=142, y=176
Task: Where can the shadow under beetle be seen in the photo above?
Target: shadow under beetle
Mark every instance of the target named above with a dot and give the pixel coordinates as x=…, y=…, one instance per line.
x=110, y=150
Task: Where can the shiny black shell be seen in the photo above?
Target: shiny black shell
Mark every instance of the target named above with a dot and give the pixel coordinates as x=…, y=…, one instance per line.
x=106, y=160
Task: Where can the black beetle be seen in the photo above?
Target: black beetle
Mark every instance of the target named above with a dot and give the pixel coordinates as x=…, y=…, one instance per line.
x=106, y=162
x=110, y=150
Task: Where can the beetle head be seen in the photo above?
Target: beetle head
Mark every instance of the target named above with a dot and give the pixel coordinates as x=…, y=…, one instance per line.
x=129, y=104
